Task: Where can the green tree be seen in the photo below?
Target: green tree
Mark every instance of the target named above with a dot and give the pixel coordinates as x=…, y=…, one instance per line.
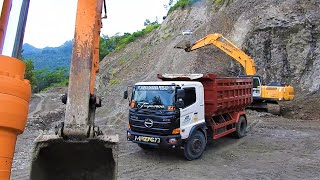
x=29, y=72
x=179, y=4
x=118, y=42
x=47, y=78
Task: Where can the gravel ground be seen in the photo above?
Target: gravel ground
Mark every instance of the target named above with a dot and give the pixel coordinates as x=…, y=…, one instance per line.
x=275, y=148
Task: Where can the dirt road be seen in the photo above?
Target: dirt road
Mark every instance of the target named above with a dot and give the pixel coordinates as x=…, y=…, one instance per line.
x=275, y=148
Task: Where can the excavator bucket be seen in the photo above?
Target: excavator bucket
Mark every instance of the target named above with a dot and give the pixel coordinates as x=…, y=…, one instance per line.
x=184, y=44
x=187, y=42
x=56, y=158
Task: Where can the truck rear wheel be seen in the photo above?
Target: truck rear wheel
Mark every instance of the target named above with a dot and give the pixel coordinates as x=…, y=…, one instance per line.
x=195, y=146
x=241, y=128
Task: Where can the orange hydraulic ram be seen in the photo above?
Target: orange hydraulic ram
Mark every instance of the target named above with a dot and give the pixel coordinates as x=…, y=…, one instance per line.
x=15, y=94
x=14, y=104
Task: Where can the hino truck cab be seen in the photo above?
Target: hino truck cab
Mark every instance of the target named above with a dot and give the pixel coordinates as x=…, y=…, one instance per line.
x=171, y=114
x=163, y=114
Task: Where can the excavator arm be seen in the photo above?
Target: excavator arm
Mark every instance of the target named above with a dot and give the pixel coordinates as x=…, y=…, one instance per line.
x=78, y=149
x=264, y=97
x=226, y=46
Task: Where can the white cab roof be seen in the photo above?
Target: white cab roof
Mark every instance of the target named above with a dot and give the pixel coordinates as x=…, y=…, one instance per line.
x=189, y=76
x=167, y=83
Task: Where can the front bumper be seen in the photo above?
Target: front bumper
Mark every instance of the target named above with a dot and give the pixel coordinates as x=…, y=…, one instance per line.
x=164, y=140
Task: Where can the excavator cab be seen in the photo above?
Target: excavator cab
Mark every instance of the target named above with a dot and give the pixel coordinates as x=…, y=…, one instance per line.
x=257, y=85
x=78, y=149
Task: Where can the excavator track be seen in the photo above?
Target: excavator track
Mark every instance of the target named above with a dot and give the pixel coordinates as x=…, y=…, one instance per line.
x=274, y=108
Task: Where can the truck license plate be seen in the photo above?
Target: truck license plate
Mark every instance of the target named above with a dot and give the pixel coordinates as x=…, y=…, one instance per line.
x=147, y=139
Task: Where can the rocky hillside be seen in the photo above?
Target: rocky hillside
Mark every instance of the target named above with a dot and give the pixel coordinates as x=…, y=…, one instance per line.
x=283, y=37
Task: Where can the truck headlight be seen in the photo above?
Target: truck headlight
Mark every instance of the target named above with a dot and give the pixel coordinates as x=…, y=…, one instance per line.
x=172, y=141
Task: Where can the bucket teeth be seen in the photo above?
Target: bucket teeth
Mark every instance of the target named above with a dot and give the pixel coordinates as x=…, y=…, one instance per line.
x=57, y=158
x=186, y=45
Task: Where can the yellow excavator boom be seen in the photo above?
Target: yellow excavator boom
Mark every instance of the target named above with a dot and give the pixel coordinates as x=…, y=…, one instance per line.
x=229, y=48
x=263, y=96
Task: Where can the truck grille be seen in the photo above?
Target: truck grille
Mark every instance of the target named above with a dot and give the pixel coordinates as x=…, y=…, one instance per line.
x=161, y=124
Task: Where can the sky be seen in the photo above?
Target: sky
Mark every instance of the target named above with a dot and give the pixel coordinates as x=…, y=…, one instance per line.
x=51, y=22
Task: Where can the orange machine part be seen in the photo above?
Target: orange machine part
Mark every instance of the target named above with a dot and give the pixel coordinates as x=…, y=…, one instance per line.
x=4, y=18
x=14, y=104
x=96, y=39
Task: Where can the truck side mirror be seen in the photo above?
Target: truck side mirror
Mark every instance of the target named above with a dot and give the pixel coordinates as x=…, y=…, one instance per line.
x=179, y=103
x=180, y=94
x=125, y=95
x=180, y=98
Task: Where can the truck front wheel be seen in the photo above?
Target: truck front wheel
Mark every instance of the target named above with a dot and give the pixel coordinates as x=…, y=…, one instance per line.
x=195, y=146
x=241, y=128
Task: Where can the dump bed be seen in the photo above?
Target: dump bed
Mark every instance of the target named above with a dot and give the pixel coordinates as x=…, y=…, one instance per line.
x=221, y=94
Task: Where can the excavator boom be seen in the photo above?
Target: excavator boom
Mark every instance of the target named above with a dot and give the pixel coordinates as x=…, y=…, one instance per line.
x=226, y=46
x=83, y=69
x=263, y=96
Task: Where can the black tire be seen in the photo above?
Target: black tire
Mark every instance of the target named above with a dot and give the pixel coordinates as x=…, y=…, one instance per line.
x=146, y=146
x=195, y=146
x=241, y=128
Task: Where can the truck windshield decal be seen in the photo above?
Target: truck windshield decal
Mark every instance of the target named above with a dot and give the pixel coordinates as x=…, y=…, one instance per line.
x=149, y=106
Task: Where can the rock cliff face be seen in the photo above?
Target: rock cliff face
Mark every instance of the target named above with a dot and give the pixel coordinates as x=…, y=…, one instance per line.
x=284, y=40
x=282, y=36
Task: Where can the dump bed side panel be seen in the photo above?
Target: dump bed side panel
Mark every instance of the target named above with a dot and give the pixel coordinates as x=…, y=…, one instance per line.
x=223, y=95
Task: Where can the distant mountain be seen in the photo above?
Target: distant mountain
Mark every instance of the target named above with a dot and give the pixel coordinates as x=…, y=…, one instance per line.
x=48, y=57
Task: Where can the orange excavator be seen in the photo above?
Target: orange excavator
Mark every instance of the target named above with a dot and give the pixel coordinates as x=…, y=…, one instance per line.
x=264, y=96
x=77, y=149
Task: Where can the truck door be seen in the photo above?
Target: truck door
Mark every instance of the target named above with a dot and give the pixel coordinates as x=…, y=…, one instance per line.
x=188, y=114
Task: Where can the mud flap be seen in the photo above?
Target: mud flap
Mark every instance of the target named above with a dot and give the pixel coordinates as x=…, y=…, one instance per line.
x=56, y=158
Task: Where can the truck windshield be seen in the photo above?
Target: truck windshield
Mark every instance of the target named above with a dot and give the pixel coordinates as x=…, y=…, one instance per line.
x=153, y=97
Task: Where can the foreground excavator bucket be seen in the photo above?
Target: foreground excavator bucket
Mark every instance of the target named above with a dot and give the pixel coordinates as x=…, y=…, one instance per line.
x=55, y=158
x=79, y=150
